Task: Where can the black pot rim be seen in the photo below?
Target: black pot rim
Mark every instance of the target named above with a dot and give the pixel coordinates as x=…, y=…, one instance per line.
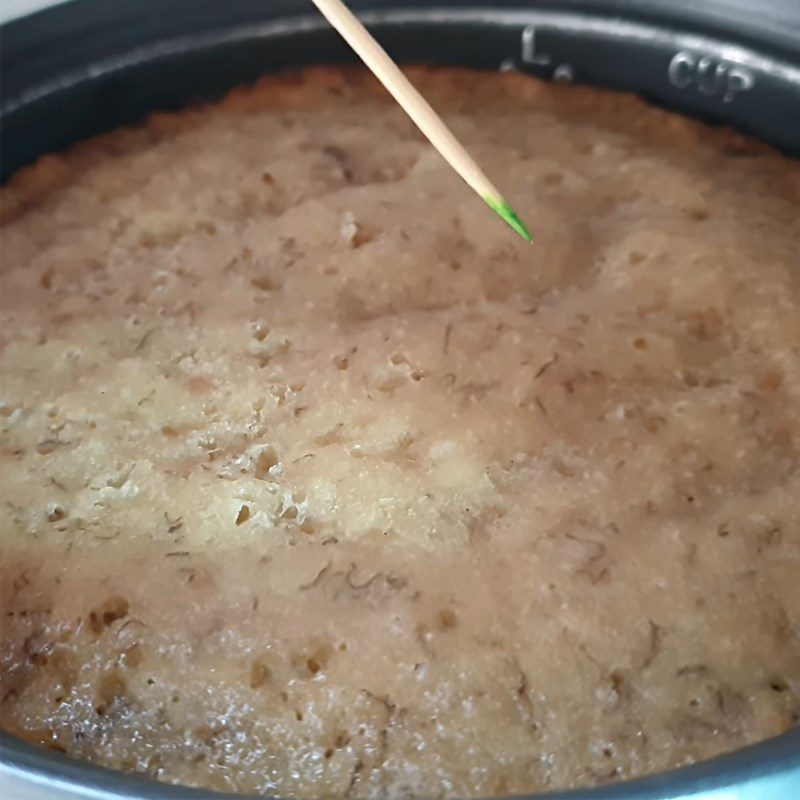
x=766, y=770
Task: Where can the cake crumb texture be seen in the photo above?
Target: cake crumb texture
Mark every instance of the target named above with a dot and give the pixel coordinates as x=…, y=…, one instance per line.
x=316, y=481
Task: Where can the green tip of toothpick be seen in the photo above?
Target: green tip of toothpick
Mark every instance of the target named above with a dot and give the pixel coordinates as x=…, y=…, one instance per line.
x=504, y=210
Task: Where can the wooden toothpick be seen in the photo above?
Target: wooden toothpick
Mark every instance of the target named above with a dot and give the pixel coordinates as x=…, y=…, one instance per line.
x=415, y=105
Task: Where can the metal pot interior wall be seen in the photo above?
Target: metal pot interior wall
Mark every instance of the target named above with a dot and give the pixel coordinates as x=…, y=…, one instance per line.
x=94, y=66
x=90, y=66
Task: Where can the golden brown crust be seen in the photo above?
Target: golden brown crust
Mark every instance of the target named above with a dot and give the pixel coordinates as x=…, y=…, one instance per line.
x=317, y=482
x=304, y=89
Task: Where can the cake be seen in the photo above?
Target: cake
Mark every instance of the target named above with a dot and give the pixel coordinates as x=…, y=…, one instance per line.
x=317, y=482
